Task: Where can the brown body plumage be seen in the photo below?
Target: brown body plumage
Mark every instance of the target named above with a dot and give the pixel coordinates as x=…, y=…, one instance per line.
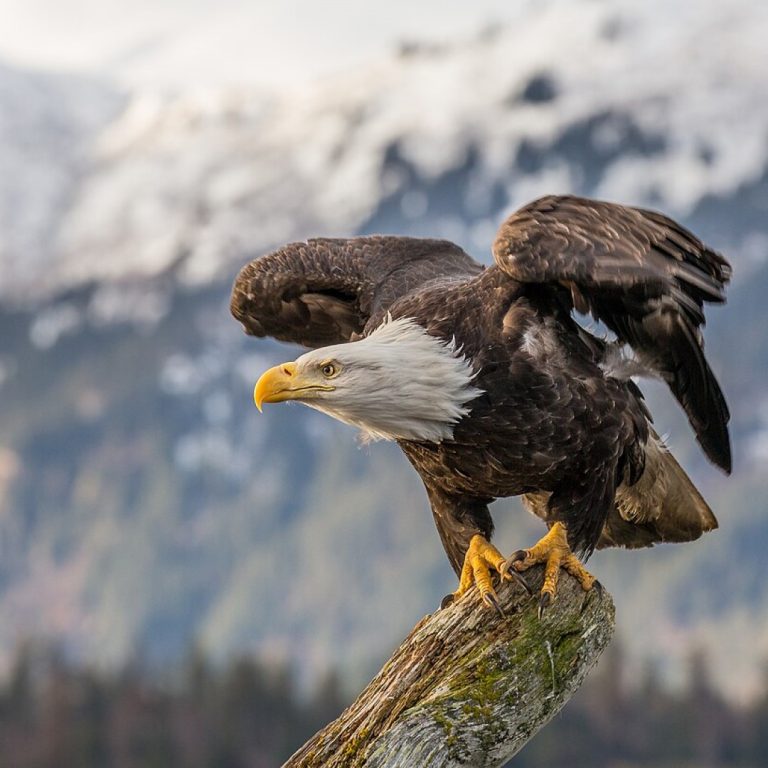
x=554, y=422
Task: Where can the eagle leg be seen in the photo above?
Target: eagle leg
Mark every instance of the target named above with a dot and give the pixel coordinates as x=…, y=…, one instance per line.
x=554, y=552
x=480, y=559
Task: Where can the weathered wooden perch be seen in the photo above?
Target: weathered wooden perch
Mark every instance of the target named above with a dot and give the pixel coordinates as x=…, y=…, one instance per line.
x=467, y=687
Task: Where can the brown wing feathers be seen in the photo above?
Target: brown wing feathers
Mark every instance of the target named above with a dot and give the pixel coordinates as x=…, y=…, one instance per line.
x=324, y=291
x=644, y=276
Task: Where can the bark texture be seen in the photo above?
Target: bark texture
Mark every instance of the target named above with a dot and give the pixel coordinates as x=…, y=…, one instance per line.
x=468, y=687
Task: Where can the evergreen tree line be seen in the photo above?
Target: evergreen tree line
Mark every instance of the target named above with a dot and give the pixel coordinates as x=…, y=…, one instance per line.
x=251, y=714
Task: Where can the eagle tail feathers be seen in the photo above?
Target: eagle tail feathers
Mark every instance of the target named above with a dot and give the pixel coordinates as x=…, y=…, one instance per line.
x=664, y=506
x=685, y=515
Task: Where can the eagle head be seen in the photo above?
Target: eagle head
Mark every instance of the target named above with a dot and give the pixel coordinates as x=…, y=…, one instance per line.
x=398, y=383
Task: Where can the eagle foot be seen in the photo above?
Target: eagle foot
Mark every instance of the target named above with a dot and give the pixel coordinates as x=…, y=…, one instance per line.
x=554, y=552
x=481, y=558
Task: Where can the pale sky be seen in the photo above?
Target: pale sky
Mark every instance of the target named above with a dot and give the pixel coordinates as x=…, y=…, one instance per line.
x=171, y=43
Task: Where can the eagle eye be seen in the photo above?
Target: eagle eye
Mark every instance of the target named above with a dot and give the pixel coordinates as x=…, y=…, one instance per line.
x=329, y=370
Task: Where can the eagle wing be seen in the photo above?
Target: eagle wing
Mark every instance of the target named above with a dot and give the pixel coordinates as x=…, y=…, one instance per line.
x=644, y=276
x=326, y=291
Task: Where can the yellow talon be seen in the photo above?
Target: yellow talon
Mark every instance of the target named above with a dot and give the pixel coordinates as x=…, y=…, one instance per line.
x=481, y=558
x=554, y=552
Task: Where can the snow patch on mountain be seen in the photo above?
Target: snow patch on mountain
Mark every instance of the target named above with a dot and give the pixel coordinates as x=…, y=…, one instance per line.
x=192, y=184
x=47, y=126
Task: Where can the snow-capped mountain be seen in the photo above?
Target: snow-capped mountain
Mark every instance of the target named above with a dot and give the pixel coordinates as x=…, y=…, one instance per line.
x=142, y=503
x=669, y=113
x=48, y=124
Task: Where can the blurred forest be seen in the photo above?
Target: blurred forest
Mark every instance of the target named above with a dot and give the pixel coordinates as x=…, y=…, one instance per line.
x=251, y=714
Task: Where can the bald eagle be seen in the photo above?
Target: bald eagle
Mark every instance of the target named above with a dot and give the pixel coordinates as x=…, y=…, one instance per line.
x=492, y=388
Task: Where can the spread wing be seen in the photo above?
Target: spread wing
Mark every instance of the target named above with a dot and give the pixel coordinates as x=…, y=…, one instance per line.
x=325, y=291
x=644, y=276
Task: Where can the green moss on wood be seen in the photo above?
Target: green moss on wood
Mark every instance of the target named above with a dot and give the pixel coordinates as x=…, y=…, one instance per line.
x=483, y=684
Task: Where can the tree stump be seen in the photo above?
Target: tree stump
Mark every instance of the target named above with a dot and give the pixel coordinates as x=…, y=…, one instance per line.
x=468, y=687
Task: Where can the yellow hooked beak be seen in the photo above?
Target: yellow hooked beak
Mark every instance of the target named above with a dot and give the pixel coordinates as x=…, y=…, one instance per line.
x=283, y=382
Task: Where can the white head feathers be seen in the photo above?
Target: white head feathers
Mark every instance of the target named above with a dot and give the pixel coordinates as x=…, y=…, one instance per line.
x=398, y=383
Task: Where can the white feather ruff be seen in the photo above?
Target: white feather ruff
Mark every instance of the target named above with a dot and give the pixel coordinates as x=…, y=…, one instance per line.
x=398, y=383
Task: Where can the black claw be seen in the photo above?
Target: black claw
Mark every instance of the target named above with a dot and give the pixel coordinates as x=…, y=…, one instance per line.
x=449, y=599
x=507, y=567
x=490, y=600
x=523, y=583
x=544, y=601
x=599, y=588
x=511, y=574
